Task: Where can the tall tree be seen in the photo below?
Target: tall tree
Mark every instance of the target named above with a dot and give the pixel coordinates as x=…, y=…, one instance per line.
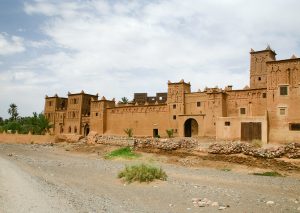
x=13, y=111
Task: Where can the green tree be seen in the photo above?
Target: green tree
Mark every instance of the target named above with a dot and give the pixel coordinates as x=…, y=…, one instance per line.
x=13, y=111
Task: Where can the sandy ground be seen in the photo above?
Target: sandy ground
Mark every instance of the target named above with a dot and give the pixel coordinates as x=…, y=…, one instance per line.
x=45, y=178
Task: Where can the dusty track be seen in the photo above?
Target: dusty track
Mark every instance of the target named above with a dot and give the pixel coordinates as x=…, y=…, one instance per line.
x=39, y=178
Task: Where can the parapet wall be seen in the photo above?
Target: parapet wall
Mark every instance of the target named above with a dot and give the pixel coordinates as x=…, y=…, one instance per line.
x=26, y=138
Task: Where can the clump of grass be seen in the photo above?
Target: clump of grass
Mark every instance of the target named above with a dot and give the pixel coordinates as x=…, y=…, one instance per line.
x=170, y=132
x=124, y=152
x=226, y=169
x=142, y=173
x=256, y=143
x=271, y=174
x=129, y=132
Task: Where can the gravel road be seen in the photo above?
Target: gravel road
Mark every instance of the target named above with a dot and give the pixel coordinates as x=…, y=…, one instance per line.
x=44, y=178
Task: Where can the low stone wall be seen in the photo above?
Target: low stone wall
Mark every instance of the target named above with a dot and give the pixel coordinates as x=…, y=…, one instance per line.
x=291, y=150
x=26, y=138
x=148, y=142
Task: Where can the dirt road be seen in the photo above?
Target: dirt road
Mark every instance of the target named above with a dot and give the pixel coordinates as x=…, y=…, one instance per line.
x=44, y=178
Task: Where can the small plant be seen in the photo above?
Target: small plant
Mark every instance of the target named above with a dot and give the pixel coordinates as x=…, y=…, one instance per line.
x=125, y=152
x=226, y=169
x=129, y=132
x=256, y=143
x=271, y=174
x=142, y=173
x=170, y=132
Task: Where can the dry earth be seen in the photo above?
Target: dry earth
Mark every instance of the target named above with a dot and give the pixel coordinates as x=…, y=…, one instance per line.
x=76, y=178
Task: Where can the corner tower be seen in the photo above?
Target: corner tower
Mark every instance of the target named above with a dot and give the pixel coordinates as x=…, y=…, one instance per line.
x=258, y=67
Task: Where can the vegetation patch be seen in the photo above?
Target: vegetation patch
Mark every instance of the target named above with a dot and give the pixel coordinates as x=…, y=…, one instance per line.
x=125, y=152
x=271, y=174
x=226, y=169
x=142, y=173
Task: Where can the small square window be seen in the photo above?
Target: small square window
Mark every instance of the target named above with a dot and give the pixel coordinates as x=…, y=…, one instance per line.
x=264, y=95
x=96, y=113
x=174, y=106
x=198, y=104
x=282, y=111
x=242, y=111
x=227, y=123
x=259, y=78
x=283, y=90
x=174, y=117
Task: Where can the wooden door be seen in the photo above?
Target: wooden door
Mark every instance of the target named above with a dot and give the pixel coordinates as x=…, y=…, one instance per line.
x=250, y=131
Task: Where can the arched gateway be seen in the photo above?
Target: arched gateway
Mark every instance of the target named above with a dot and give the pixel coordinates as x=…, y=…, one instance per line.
x=190, y=128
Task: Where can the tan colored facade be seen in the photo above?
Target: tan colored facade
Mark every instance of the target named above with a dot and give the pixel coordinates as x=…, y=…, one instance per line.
x=268, y=110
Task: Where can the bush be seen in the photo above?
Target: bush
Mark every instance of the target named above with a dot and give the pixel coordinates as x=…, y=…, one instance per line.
x=170, y=132
x=142, y=173
x=271, y=174
x=129, y=132
x=256, y=143
x=123, y=153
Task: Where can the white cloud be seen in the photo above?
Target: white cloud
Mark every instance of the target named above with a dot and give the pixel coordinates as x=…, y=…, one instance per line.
x=11, y=44
x=120, y=47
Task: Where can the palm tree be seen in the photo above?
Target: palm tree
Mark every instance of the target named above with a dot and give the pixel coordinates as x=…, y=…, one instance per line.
x=13, y=111
x=124, y=100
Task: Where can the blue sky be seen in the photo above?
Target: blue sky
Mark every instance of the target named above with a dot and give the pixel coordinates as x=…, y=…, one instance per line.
x=116, y=48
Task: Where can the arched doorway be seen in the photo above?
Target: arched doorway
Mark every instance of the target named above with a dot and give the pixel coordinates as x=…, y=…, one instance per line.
x=190, y=128
x=86, y=130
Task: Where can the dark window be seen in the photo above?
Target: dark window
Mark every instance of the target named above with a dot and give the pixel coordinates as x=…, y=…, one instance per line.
x=70, y=129
x=227, y=123
x=75, y=129
x=96, y=113
x=283, y=90
x=73, y=114
x=259, y=78
x=198, y=104
x=50, y=103
x=155, y=133
x=295, y=127
x=264, y=95
x=174, y=117
x=174, y=106
x=242, y=111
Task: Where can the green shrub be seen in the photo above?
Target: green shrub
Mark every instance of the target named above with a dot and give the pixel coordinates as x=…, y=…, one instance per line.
x=170, y=132
x=125, y=152
x=271, y=174
x=142, y=173
x=129, y=132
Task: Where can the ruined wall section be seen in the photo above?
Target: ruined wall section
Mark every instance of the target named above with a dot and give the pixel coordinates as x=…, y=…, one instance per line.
x=284, y=99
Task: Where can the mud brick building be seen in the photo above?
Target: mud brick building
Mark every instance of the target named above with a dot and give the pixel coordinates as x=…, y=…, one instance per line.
x=268, y=110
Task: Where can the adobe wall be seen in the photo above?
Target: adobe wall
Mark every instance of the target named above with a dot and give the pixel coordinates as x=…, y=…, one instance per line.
x=233, y=131
x=26, y=139
x=142, y=119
